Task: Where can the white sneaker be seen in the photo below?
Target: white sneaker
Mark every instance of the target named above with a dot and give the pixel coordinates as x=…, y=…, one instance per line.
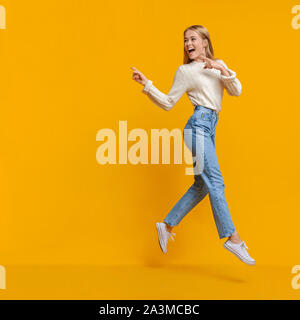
x=240, y=250
x=163, y=235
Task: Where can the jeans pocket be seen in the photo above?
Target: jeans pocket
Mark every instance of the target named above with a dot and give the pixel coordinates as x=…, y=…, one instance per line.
x=203, y=120
x=203, y=116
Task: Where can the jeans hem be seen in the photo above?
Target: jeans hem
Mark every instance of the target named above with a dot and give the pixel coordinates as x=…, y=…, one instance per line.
x=170, y=224
x=226, y=235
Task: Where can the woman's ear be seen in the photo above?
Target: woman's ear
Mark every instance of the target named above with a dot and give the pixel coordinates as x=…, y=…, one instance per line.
x=205, y=42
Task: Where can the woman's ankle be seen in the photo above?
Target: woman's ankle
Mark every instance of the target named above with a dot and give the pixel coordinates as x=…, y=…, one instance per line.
x=169, y=228
x=235, y=238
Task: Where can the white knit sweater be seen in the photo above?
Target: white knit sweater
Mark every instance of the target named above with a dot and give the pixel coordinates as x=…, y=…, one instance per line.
x=203, y=86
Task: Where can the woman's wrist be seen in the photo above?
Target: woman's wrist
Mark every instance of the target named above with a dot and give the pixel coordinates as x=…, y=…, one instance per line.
x=147, y=86
x=224, y=72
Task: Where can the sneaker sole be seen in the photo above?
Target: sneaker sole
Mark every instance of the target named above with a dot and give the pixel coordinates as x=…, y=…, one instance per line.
x=238, y=255
x=159, y=236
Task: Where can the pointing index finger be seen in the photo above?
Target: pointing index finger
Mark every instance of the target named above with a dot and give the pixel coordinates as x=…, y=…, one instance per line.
x=135, y=69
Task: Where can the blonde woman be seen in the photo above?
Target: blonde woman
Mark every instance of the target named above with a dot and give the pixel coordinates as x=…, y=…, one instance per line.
x=204, y=78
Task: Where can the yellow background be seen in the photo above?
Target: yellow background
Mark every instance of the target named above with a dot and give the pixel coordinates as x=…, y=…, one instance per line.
x=65, y=74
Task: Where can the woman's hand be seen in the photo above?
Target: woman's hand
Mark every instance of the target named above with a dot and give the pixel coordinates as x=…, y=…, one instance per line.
x=138, y=76
x=209, y=64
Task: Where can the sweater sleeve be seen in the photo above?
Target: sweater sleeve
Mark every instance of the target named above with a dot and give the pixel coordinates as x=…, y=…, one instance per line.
x=231, y=83
x=167, y=101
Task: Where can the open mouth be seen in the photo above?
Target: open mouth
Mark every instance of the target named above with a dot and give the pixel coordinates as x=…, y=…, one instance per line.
x=191, y=50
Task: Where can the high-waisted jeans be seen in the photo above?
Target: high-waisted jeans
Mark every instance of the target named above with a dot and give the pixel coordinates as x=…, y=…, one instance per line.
x=199, y=136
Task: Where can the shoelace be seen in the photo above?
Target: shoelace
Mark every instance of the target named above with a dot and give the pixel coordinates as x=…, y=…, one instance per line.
x=243, y=245
x=171, y=234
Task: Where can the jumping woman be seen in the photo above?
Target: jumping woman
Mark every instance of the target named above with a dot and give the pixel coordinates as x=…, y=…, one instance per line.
x=204, y=78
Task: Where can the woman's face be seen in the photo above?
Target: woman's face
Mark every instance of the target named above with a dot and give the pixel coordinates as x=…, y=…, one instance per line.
x=194, y=45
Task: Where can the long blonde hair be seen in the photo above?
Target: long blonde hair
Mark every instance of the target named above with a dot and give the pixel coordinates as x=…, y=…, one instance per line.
x=203, y=33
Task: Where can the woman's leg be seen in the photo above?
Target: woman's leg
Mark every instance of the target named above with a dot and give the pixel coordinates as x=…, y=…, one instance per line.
x=196, y=192
x=235, y=238
x=213, y=179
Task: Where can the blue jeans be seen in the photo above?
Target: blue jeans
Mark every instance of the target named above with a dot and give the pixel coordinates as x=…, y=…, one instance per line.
x=200, y=139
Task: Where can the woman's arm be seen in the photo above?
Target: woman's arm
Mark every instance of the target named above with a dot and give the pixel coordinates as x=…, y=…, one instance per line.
x=167, y=101
x=230, y=81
